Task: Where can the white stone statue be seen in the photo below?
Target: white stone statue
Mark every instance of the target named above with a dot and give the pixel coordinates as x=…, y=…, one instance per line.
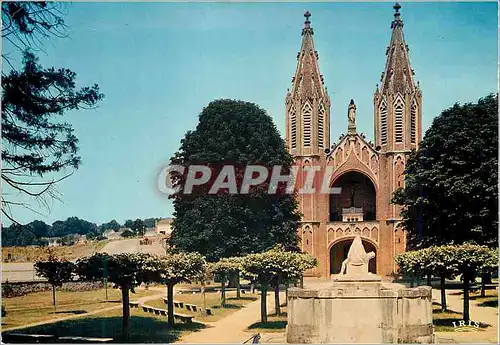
x=351, y=113
x=357, y=259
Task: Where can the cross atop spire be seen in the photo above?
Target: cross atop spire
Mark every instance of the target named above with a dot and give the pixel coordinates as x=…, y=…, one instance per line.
x=307, y=24
x=397, y=22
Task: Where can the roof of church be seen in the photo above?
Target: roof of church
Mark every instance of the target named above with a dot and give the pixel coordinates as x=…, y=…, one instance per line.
x=308, y=79
x=398, y=74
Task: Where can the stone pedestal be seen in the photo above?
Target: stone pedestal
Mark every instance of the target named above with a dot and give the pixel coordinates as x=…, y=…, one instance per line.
x=359, y=309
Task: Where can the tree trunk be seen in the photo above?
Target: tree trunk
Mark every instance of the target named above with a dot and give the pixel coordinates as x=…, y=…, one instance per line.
x=54, y=297
x=443, y=292
x=263, y=303
x=412, y=281
x=170, y=304
x=238, y=288
x=223, y=293
x=466, y=297
x=483, y=285
x=204, y=292
x=126, y=312
x=429, y=279
x=302, y=282
x=277, y=308
x=286, y=293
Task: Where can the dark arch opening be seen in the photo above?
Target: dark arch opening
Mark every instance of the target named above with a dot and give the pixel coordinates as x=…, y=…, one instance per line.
x=338, y=253
x=357, y=191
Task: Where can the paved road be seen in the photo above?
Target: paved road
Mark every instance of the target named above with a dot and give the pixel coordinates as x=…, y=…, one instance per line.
x=19, y=271
x=231, y=329
x=132, y=246
x=488, y=315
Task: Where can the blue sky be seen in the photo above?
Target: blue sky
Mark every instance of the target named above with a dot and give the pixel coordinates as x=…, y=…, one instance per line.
x=159, y=64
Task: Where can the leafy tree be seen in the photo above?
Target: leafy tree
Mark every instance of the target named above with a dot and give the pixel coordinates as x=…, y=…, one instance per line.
x=125, y=271
x=112, y=225
x=450, y=193
x=150, y=222
x=39, y=228
x=223, y=224
x=18, y=235
x=469, y=259
x=71, y=226
x=266, y=269
x=409, y=264
x=223, y=269
x=138, y=227
x=36, y=144
x=443, y=263
x=129, y=223
x=127, y=233
x=489, y=266
x=176, y=268
x=56, y=270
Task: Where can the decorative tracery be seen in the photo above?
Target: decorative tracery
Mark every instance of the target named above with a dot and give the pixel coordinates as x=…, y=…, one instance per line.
x=306, y=114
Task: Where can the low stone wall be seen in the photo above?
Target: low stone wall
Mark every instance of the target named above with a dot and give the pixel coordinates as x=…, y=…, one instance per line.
x=21, y=289
x=359, y=312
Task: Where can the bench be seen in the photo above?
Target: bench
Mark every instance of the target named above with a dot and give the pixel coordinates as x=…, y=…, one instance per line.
x=134, y=304
x=474, y=288
x=79, y=340
x=192, y=307
x=21, y=338
x=184, y=318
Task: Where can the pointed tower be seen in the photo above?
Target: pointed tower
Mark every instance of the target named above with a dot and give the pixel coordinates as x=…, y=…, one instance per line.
x=398, y=100
x=307, y=137
x=307, y=102
x=398, y=130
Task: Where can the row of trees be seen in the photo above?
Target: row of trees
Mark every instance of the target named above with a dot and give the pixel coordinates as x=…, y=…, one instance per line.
x=34, y=232
x=128, y=271
x=268, y=270
x=448, y=262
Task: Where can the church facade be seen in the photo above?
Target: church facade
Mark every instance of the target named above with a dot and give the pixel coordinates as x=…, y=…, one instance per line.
x=367, y=173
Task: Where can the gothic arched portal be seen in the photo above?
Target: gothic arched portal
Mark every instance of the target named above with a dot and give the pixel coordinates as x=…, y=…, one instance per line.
x=358, y=191
x=338, y=253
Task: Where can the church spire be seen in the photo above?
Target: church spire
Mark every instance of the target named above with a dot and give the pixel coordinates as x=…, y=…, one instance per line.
x=398, y=100
x=307, y=76
x=398, y=74
x=308, y=104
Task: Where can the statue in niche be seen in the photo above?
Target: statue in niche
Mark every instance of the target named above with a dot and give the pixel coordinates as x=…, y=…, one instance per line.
x=357, y=259
x=351, y=114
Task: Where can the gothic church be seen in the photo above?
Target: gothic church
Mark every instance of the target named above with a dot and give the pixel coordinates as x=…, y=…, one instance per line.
x=367, y=173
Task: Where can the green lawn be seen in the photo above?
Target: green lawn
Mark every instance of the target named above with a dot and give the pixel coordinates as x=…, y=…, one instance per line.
x=275, y=323
x=144, y=328
x=213, y=301
x=490, y=300
x=37, y=306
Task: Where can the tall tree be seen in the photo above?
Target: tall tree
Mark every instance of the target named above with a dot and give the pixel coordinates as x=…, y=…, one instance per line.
x=224, y=224
x=38, y=149
x=451, y=183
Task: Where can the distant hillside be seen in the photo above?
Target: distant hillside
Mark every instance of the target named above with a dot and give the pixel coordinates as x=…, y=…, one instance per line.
x=67, y=232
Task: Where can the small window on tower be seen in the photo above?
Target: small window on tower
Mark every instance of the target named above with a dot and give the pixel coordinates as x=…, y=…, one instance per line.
x=383, y=123
x=307, y=113
x=413, y=123
x=398, y=120
x=293, y=127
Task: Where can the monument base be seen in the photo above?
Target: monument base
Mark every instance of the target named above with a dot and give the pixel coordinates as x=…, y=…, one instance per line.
x=359, y=309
